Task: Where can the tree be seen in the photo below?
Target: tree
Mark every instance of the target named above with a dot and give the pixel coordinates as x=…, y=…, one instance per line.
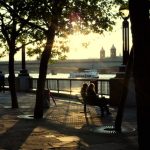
x=140, y=26
x=62, y=17
x=12, y=32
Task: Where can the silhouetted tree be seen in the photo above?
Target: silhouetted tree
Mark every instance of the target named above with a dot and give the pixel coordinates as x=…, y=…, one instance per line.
x=12, y=32
x=65, y=17
x=62, y=17
x=140, y=26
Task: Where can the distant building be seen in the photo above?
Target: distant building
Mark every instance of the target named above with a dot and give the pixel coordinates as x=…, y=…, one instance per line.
x=113, y=51
x=102, y=53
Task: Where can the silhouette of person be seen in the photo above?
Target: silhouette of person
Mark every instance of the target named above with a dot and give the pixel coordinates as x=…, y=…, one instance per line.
x=83, y=91
x=93, y=99
x=2, y=81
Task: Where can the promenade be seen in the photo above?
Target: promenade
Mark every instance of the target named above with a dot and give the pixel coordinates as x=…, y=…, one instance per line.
x=64, y=126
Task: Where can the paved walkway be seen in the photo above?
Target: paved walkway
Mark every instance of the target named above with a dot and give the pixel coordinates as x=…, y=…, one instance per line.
x=64, y=127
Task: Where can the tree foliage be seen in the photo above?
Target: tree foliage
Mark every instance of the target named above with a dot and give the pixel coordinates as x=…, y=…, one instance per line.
x=84, y=16
x=45, y=20
x=13, y=32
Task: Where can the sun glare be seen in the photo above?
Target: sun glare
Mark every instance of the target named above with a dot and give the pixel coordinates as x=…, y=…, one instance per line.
x=89, y=46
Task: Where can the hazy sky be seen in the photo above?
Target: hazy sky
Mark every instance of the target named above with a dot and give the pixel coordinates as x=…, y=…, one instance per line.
x=95, y=43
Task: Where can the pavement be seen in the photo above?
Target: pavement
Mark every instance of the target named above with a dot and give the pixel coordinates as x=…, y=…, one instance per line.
x=63, y=127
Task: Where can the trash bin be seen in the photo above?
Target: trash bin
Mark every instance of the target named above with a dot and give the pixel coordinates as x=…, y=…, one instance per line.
x=23, y=83
x=23, y=80
x=46, y=99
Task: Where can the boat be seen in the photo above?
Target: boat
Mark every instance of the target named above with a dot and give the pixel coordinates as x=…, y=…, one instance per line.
x=85, y=74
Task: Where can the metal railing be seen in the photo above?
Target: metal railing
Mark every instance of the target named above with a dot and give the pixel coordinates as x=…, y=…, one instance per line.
x=72, y=86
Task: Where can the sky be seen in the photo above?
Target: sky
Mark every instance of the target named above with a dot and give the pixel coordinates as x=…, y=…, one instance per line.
x=95, y=44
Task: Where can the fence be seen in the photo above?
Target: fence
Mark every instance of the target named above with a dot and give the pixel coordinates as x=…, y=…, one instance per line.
x=72, y=85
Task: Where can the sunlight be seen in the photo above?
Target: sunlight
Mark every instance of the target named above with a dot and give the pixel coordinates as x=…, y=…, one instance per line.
x=89, y=46
x=78, y=40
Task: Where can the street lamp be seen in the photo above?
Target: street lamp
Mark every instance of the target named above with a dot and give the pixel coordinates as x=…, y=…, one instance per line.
x=125, y=33
x=24, y=71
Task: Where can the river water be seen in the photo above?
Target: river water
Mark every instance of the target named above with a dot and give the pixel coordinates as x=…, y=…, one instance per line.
x=76, y=85
x=66, y=75
x=64, y=85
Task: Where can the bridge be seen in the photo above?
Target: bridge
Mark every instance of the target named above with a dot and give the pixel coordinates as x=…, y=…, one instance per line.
x=107, y=65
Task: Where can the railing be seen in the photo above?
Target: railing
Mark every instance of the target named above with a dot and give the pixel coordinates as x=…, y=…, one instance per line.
x=72, y=86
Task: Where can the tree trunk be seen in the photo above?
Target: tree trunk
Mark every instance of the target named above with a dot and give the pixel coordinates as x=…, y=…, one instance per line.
x=140, y=25
x=38, y=110
x=50, y=34
x=120, y=111
x=12, y=81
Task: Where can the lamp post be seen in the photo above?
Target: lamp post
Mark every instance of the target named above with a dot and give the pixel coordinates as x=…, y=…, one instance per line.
x=24, y=71
x=125, y=33
x=23, y=77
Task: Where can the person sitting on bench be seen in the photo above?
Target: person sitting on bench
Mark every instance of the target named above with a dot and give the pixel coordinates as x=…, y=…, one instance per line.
x=93, y=99
x=83, y=92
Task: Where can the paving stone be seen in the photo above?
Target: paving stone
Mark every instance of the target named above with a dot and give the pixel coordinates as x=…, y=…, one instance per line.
x=63, y=127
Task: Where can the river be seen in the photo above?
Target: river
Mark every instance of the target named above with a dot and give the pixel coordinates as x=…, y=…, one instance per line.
x=66, y=75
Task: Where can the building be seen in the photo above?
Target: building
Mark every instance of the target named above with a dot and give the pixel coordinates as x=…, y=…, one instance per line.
x=113, y=51
x=102, y=53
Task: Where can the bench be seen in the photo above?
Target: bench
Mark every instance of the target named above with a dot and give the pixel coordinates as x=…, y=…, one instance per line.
x=84, y=102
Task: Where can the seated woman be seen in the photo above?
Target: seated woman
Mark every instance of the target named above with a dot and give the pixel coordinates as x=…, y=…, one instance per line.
x=83, y=91
x=93, y=99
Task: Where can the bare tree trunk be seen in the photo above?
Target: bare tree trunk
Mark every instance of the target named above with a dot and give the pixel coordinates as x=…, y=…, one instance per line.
x=120, y=111
x=140, y=25
x=12, y=81
x=38, y=110
x=50, y=34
